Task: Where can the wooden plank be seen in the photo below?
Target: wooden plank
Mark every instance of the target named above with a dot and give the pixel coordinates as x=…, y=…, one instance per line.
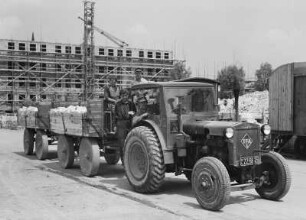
x=273, y=100
x=299, y=106
x=73, y=123
x=95, y=117
x=281, y=99
x=43, y=117
x=56, y=123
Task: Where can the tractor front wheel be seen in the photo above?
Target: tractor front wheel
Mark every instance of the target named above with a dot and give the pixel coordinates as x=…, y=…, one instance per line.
x=211, y=183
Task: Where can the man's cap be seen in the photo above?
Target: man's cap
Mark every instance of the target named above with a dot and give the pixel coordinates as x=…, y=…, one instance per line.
x=138, y=71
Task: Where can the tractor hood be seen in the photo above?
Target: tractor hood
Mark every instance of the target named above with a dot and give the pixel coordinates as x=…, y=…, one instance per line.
x=215, y=128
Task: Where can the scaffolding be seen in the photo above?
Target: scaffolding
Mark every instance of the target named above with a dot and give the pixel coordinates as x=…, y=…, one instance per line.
x=32, y=70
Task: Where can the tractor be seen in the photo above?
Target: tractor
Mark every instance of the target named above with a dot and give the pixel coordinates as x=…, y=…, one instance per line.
x=178, y=131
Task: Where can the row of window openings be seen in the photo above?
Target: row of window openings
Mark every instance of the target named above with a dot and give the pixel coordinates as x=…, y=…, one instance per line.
x=66, y=84
x=22, y=97
x=57, y=67
x=34, y=83
x=43, y=66
x=58, y=49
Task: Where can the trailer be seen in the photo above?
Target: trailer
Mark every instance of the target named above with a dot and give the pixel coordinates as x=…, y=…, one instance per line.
x=287, y=106
x=86, y=134
x=36, y=123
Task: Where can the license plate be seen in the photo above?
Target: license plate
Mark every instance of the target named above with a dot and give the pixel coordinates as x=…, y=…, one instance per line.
x=246, y=161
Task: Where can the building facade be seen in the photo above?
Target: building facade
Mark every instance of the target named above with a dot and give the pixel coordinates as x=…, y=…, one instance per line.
x=31, y=70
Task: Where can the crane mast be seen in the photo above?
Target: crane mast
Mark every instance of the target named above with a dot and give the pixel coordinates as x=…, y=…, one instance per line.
x=88, y=53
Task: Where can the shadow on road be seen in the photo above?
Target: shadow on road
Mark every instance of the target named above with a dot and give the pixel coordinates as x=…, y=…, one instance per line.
x=113, y=176
x=52, y=154
x=242, y=198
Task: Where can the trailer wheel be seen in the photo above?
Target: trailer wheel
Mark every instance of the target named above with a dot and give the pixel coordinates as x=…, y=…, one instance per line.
x=111, y=156
x=65, y=151
x=277, y=176
x=89, y=157
x=143, y=160
x=300, y=147
x=211, y=183
x=41, y=145
x=28, y=141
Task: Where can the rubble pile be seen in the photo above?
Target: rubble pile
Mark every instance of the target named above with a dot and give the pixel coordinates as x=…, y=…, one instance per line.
x=28, y=109
x=70, y=109
x=31, y=110
x=251, y=106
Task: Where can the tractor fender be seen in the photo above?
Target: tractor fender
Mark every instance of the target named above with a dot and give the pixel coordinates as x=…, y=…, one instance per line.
x=168, y=154
x=158, y=132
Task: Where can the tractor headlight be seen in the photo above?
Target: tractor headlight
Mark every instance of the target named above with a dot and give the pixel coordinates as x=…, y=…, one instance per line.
x=229, y=133
x=266, y=129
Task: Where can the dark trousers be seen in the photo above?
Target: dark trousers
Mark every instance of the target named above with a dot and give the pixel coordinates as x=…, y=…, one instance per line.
x=123, y=127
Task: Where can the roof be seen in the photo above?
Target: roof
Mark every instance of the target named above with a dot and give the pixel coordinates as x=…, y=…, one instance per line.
x=170, y=84
x=198, y=79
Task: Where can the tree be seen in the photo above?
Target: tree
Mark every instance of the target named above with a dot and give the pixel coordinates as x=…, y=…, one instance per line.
x=179, y=71
x=231, y=78
x=262, y=75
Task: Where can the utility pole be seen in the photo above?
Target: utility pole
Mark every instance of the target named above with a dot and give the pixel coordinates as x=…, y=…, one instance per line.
x=88, y=50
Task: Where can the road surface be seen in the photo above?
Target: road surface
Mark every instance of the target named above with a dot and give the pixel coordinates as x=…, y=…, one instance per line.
x=33, y=189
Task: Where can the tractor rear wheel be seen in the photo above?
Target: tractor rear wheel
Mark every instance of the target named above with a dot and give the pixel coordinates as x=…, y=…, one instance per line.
x=278, y=178
x=41, y=145
x=211, y=183
x=89, y=157
x=65, y=151
x=28, y=141
x=143, y=160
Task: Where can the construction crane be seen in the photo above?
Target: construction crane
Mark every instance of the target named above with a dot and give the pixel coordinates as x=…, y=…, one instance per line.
x=109, y=36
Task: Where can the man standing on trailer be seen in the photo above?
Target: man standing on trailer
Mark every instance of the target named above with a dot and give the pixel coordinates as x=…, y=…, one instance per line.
x=112, y=91
x=138, y=77
x=124, y=111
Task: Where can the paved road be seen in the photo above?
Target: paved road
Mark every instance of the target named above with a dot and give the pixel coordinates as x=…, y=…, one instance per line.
x=32, y=189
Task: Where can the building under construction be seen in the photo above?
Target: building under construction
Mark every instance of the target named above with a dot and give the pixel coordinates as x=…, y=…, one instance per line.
x=31, y=70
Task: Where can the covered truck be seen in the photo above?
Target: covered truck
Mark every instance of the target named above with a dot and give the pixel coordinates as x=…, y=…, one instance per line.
x=287, y=106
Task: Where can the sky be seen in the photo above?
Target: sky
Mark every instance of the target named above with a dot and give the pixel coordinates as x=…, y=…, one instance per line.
x=207, y=34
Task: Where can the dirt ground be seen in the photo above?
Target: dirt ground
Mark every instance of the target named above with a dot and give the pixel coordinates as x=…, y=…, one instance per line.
x=33, y=189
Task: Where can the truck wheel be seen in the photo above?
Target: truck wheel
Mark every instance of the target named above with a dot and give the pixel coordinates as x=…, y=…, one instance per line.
x=111, y=156
x=188, y=175
x=143, y=160
x=41, y=145
x=211, y=183
x=65, y=151
x=28, y=141
x=89, y=157
x=278, y=180
x=300, y=147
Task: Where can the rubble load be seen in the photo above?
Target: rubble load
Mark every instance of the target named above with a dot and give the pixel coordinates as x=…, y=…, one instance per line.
x=253, y=107
x=27, y=116
x=9, y=121
x=70, y=118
